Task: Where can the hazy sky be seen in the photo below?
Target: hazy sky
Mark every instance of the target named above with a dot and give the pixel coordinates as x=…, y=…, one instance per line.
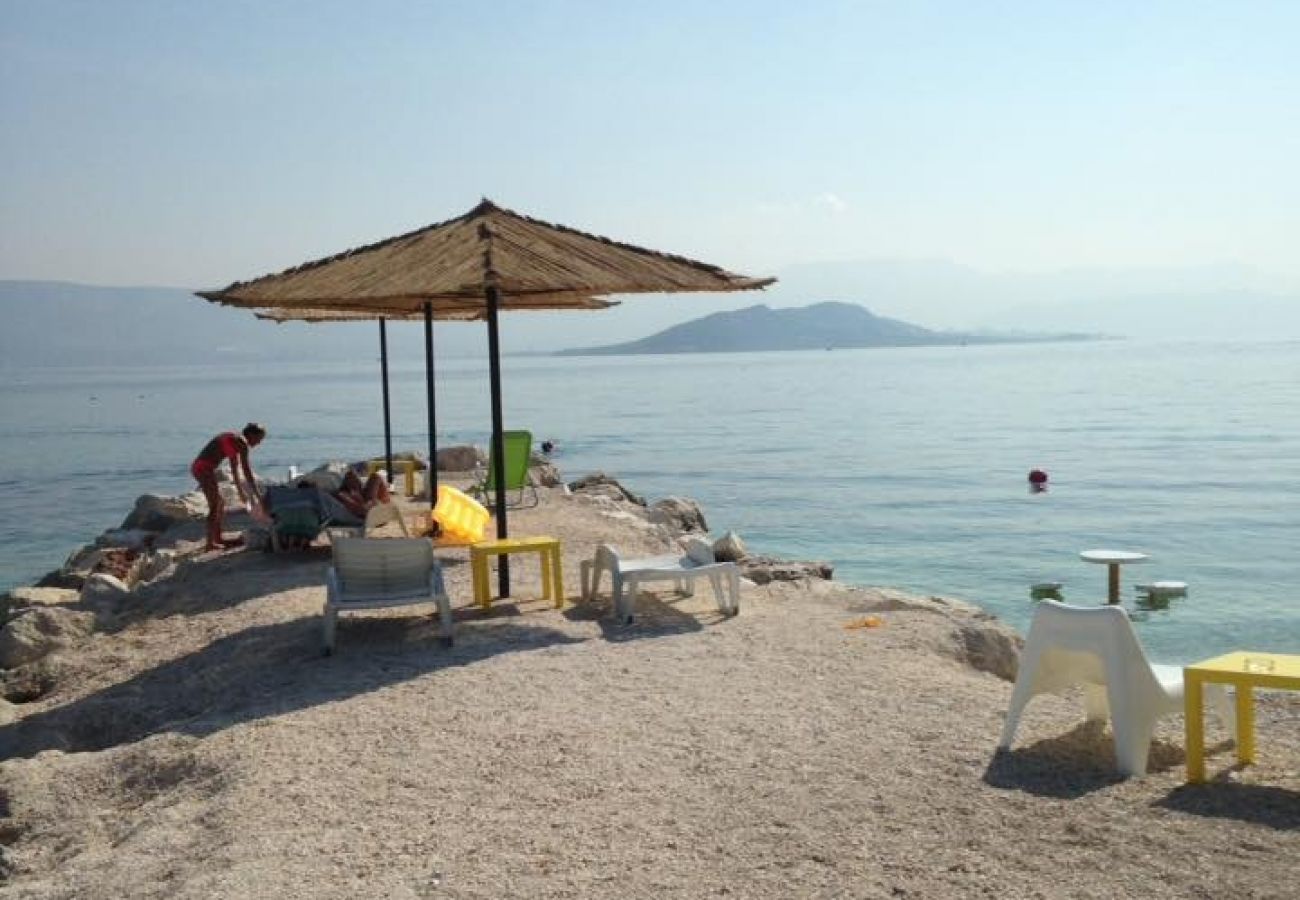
x=198, y=143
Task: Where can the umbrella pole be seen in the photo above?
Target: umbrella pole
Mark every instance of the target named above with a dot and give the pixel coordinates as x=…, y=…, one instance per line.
x=431, y=478
x=388, y=422
x=498, y=437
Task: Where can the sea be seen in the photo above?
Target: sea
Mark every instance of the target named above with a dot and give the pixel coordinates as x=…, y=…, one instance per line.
x=904, y=467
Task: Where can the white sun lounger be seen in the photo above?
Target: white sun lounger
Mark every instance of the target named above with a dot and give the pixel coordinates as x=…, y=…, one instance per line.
x=627, y=575
x=376, y=574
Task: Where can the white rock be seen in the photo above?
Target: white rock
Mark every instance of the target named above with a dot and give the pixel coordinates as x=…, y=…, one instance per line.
x=464, y=458
x=130, y=538
x=992, y=647
x=84, y=560
x=682, y=512
x=156, y=513
x=103, y=590
x=327, y=477
x=40, y=630
x=729, y=548
x=22, y=598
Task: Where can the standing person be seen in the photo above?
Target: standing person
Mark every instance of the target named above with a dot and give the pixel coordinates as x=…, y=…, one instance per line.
x=234, y=447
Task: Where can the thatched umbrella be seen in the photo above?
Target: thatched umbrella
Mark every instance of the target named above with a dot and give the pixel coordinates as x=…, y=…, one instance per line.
x=482, y=262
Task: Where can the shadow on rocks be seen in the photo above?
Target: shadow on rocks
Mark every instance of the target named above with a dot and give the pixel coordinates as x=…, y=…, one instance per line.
x=1223, y=798
x=262, y=672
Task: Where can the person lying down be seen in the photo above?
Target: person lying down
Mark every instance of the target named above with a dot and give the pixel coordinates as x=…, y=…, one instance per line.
x=358, y=498
x=301, y=511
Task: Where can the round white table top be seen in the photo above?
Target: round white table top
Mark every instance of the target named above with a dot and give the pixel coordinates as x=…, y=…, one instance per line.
x=1112, y=557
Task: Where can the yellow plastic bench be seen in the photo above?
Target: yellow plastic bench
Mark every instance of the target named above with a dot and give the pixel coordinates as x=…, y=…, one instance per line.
x=406, y=465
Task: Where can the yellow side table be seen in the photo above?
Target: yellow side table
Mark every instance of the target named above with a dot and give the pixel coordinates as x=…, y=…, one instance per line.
x=1245, y=671
x=548, y=548
x=408, y=471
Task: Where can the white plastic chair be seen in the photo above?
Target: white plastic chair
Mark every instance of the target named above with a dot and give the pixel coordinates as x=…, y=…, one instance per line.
x=1097, y=647
x=376, y=574
x=627, y=576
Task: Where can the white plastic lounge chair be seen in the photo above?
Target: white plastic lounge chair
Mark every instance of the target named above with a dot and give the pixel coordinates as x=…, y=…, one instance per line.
x=627, y=575
x=381, y=514
x=1097, y=647
x=377, y=516
x=376, y=574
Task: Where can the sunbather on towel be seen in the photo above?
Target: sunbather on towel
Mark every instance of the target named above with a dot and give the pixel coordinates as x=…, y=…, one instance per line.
x=358, y=497
x=233, y=447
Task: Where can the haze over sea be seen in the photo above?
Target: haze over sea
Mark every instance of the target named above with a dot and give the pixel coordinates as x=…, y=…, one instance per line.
x=903, y=467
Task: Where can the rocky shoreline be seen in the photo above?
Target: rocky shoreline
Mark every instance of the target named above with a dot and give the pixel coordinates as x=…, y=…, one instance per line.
x=98, y=583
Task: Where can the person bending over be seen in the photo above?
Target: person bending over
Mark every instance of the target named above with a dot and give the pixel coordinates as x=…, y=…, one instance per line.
x=234, y=447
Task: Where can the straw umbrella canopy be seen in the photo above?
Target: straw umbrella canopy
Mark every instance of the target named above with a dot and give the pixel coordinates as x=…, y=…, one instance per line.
x=484, y=261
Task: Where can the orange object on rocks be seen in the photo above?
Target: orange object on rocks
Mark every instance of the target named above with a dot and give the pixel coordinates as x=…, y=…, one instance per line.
x=866, y=622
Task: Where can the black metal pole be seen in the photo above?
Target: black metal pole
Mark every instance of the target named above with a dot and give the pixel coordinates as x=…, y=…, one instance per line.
x=388, y=422
x=432, y=477
x=498, y=436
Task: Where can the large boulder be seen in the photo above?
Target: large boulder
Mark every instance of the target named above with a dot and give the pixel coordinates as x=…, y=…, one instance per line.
x=598, y=484
x=63, y=578
x=40, y=630
x=977, y=639
x=464, y=458
x=21, y=598
x=546, y=474
x=103, y=592
x=84, y=560
x=156, y=513
x=681, y=513
x=72, y=575
x=126, y=538
x=766, y=569
x=990, y=646
x=180, y=534
x=327, y=477
x=729, y=548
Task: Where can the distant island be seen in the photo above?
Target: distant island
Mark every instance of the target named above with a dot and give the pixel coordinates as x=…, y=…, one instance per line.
x=821, y=326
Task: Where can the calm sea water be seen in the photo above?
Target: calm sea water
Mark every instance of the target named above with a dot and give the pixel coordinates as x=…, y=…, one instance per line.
x=904, y=467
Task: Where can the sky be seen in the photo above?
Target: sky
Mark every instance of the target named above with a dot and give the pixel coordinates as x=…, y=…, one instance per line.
x=200, y=143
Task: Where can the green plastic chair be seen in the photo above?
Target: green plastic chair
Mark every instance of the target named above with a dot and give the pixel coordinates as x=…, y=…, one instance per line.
x=519, y=451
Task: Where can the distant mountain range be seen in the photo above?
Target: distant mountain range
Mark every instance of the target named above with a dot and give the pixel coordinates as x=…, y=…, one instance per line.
x=50, y=323
x=821, y=326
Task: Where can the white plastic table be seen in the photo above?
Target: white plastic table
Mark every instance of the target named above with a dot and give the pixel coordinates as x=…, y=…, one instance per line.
x=1113, y=560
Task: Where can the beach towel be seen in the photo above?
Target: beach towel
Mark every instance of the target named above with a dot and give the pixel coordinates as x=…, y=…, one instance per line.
x=297, y=513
